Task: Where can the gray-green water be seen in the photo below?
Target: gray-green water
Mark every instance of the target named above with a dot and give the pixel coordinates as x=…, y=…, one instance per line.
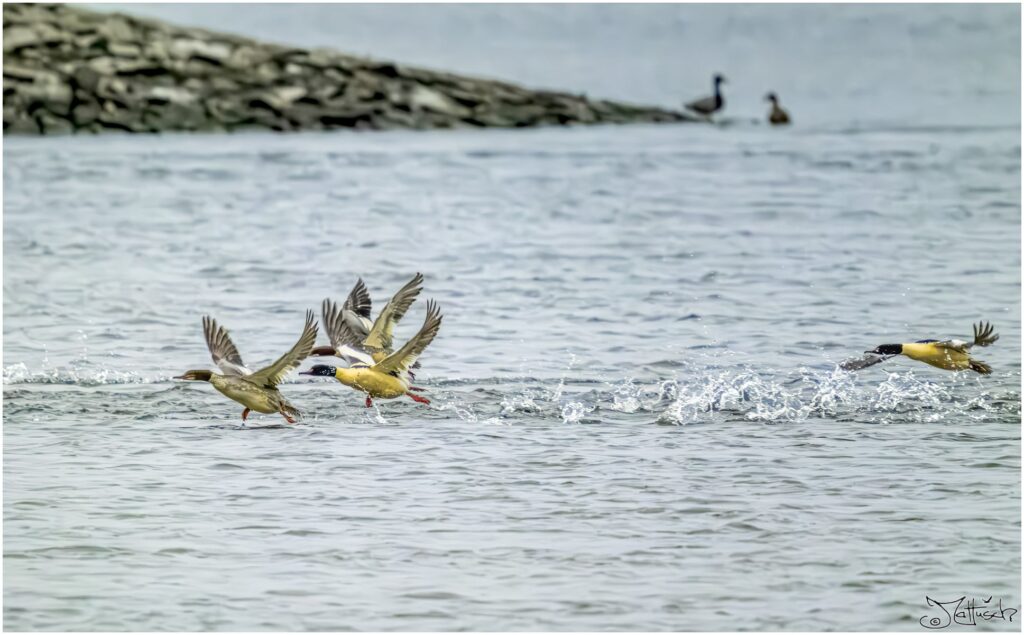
x=636, y=421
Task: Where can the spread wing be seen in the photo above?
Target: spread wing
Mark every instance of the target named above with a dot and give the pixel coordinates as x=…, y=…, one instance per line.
x=399, y=362
x=345, y=342
x=273, y=374
x=959, y=346
x=222, y=349
x=339, y=331
x=356, y=310
x=863, y=362
x=983, y=335
x=380, y=336
x=358, y=300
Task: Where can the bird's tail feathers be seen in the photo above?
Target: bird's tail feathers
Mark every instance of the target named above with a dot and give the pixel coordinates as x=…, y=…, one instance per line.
x=981, y=367
x=290, y=410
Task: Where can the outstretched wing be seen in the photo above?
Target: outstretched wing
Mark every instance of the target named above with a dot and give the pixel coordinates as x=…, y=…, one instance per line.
x=356, y=310
x=380, y=336
x=338, y=329
x=344, y=341
x=273, y=374
x=959, y=346
x=863, y=362
x=399, y=362
x=983, y=335
x=222, y=349
x=358, y=300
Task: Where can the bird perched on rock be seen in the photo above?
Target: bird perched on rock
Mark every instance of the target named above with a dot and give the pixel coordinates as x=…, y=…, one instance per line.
x=254, y=390
x=388, y=378
x=777, y=116
x=945, y=354
x=708, y=105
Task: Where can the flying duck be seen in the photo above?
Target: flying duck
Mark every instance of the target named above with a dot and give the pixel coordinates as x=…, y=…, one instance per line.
x=353, y=336
x=778, y=116
x=388, y=378
x=254, y=390
x=708, y=105
x=945, y=354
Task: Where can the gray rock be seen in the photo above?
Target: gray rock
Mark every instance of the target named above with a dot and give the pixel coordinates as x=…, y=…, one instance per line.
x=175, y=116
x=425, y=98
x=48, y=34
x=245, y=58
x=120, y=119
x=16, y=121
x=287, y=95
x=85, y=113
x=50, y=123
x=103, y=65
x=118, y=29
x=51, y=94
x=85, y=78
x=171, y=95
x=20, y=73
x=119, y=49
x=19, y=37
x=216, y=52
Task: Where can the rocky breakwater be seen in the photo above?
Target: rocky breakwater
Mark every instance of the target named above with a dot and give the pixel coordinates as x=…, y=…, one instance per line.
x=71, y=70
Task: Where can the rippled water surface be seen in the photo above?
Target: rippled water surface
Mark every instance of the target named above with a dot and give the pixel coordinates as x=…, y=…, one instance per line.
x=637, y=421
x=636, y=414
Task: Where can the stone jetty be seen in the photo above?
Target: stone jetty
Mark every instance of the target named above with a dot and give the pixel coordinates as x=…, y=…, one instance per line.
x=70, y=70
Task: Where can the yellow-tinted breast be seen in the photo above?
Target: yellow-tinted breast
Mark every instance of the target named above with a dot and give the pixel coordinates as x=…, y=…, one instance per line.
x=372, y=382
x=937, y=356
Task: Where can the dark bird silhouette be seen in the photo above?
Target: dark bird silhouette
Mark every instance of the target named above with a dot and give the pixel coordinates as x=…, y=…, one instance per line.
x=778, y=116
x=708, y=105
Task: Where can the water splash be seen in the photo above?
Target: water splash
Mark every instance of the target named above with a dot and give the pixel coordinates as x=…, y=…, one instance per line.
x=826, y=394
x=695, y=395
x=574, y=411
x=78, y=373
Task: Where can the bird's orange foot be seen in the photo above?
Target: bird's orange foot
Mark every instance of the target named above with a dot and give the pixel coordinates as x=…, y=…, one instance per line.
x=418, y=398
x=287, y=418
x=369, y=402
x=245, y=413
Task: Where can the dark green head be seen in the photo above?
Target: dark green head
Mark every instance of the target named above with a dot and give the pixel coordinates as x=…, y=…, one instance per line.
x=196, y=375
x=320, y=370
x=887, y=349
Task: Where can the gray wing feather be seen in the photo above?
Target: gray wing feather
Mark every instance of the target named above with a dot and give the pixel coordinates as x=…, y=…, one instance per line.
x=222, y=349
x=983, y=335
x=399, y=362
x=339, y=330
x=273, y=374
x=358, y=300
